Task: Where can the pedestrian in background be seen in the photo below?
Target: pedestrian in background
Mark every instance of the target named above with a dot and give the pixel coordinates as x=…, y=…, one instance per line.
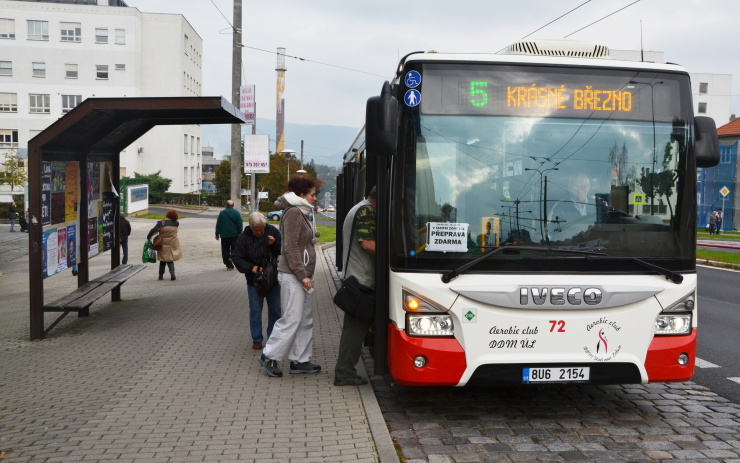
x=253, y=248
x=228, y=227
x=292, y=336
x=719, y=220
x=359, y=236
x=171, y=250
x=713, y=223
x=124, y=230
x=11, y=215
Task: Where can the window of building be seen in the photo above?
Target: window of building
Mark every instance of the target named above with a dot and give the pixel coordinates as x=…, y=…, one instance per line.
x=71, y=32
x=185, y=145
x=192, y=175
x=38, y=30
x=120, y=67
x=120, y=36
x=185, y=177
x=101, y=71
x=70, y=71
x=702, y=108
x=7, y=28
x=192, y=144
x=186, y=44
x=69, y=102
x=39, y=69
x=197, y=146
x=101, y=35
x=703, y=88
x=6, y=68
x=8, y=102
x=39, y=103
x=8, y=138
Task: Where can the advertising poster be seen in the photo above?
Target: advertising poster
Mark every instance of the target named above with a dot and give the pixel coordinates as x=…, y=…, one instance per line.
x=90, y=169
x=61, y=249
x=71, y=245
x=92, y=236
x=45, y=193
x=50, y=244
x=57, y=208
x=106, y=222
x=58, y=171
x=70, y=193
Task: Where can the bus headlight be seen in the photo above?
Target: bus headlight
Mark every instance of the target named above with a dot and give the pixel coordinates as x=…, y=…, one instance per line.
x=673, y=324
x=429, y=325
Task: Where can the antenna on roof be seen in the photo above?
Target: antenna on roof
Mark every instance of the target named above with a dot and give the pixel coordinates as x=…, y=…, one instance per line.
x=642, y=50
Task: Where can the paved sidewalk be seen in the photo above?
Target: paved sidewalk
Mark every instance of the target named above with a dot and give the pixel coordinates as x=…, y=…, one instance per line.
x=168, y=374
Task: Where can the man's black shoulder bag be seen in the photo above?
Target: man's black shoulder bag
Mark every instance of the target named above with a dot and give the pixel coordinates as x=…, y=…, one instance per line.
x=352, y=297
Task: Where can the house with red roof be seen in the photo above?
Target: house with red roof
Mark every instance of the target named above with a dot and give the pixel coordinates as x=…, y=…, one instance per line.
x=717, y=186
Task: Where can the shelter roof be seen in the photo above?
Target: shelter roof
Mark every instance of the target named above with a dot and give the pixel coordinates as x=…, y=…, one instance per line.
x=108, y=125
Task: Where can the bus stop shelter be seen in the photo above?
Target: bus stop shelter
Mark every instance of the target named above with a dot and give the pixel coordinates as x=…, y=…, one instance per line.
x=74, y=187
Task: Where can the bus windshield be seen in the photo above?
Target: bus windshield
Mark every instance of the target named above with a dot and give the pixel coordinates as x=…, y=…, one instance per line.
x=487, y=162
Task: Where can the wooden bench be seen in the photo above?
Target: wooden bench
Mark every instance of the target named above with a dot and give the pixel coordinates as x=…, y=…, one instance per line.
x=83, y=297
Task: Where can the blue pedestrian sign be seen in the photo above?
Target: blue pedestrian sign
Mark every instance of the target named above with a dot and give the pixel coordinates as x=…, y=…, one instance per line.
x=412, y=98
x=412, y=79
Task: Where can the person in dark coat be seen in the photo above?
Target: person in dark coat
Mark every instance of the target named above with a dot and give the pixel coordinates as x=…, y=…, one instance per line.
x=228, y=228
x=124, y=229
x=171, y=250
x=12, y=215
x=254, y=246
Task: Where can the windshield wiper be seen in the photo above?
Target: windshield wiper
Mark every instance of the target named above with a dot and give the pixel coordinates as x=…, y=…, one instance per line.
x=454, y=273
x=669, y=274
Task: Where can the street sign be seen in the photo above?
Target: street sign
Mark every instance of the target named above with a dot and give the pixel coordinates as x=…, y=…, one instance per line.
x=725, y=191
x=638, y=198
x=263, y=194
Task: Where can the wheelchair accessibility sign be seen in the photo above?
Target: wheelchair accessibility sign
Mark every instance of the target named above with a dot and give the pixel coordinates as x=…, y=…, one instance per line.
x=412, y=98
x=412, y=79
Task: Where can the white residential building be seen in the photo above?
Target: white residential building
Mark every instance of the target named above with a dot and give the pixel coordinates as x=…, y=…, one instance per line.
x=55, y=54
x=711, y=92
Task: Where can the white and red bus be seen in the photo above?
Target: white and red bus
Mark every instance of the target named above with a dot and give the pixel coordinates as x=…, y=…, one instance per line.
x=536, y=217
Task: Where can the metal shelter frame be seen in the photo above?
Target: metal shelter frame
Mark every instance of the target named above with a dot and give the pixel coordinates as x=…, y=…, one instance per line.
x=96, y=131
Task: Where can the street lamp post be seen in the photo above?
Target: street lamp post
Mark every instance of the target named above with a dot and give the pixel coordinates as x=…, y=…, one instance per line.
x=286, y=153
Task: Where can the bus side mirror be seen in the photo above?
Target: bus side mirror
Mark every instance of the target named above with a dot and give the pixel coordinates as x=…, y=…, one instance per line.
x=381, y=122
x=706, y=145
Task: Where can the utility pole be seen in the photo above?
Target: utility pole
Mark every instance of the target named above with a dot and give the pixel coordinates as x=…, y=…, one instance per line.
x=236, y=129
x=301, y=154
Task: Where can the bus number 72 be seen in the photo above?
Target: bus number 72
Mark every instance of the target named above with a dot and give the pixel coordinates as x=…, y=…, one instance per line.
x=560, y=324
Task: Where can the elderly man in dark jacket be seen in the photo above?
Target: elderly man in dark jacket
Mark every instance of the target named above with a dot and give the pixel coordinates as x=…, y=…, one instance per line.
x=255, y=245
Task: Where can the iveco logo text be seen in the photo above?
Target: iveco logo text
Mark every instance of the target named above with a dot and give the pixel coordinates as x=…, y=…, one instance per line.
x=558, y=296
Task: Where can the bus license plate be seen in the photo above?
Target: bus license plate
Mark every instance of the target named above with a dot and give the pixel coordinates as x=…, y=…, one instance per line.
x=555, y=375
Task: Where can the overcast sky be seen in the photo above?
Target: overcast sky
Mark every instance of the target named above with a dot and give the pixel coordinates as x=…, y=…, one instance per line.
x=371, y=37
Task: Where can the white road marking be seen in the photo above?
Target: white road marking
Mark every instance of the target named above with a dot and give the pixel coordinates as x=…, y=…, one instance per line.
x=737, y=380
x=704, y=364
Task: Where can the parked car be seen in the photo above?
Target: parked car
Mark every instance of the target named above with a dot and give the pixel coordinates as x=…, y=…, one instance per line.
x=330, y=209
x=274, y=215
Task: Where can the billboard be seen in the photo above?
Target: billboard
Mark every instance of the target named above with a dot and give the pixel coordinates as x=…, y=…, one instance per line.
x=256, y=154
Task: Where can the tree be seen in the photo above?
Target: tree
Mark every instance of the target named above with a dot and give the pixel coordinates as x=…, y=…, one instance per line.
x=276, y=182
x=732, y=117
x=14, y=172
x=222, y=180
x=158, y=185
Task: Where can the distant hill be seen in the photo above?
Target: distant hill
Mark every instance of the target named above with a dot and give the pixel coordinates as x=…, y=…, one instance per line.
x=324, y=144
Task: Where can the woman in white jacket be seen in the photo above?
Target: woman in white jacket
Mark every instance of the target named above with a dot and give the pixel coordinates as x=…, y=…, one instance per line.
x=292, y=335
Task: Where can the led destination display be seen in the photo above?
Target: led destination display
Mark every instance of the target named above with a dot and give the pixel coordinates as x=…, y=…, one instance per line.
x=498, y=90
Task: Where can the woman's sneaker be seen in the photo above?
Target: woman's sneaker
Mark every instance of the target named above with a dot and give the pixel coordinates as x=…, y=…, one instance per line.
x=304, y=367
x=271, y=366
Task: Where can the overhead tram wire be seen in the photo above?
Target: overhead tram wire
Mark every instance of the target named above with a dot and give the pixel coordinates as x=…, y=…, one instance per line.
x=316, y=62
x=556, y=19
x=601, y=19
